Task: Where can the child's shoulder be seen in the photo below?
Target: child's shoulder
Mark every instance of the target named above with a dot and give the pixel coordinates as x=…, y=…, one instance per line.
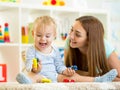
x=30, y=48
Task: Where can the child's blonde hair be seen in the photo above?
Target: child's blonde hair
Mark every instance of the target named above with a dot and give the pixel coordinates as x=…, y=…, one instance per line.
x=43, y=21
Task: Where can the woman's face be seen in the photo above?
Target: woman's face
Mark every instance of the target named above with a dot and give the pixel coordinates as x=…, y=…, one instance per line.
x=78, y=36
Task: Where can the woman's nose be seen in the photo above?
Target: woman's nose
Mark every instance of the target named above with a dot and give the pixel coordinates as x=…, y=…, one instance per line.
x=71, y=35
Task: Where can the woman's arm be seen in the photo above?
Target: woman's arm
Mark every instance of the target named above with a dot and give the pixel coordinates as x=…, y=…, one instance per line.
x=114, y=62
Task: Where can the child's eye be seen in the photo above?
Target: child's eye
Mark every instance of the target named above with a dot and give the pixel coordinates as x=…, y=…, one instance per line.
x=48, y=36
x=38, y=35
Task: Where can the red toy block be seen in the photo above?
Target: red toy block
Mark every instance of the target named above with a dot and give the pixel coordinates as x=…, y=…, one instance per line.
x=3, y=73
x=72, y=80
x=65, y=80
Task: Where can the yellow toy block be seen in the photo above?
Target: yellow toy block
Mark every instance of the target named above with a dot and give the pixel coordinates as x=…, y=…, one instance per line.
x=35, y=63
x=45, y=80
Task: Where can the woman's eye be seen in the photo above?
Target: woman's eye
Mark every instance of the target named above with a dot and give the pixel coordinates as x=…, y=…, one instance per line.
x=78, y=35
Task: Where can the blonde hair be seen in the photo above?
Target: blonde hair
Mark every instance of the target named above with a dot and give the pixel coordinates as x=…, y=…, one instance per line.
x=43, y=21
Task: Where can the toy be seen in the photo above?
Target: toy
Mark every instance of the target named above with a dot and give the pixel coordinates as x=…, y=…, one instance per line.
x=6, y=33
x=74, y=67
x=35, y=63
x=67, y=80
x=54, y=3
x=3, y=73
x=45, y=80
x=1, y=36
x=63, y=36
x=24, y=34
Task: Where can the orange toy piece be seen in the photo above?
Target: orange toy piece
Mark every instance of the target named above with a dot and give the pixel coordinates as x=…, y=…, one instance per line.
x=54, y=3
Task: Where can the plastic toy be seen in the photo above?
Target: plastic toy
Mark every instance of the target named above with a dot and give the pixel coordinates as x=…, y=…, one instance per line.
x=67, y=80
x=1, y=36
x=6, y=33
x=54, y=3
x=63, y=36
x=45, y=80
x=74, y=67
x=35, y=62
x=24, y=35
x=3, y=73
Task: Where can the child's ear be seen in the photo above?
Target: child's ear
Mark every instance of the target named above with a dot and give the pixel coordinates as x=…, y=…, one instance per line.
x=33, y=33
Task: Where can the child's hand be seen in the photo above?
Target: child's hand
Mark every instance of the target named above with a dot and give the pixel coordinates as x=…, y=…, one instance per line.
x=38, y=69
x=69, y=72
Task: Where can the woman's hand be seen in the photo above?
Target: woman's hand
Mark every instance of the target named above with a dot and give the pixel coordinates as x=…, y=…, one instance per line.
x=68, y=72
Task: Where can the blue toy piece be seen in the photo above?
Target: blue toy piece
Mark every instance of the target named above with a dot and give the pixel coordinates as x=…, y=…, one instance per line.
x=74, y=67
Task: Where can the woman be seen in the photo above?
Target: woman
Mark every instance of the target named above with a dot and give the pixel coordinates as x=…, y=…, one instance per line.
x=87, y=48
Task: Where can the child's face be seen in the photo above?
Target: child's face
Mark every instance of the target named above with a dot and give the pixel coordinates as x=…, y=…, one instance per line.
x=43, y=37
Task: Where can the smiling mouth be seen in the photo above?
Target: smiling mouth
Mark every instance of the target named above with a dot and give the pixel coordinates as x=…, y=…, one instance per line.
x=73, y=42
x=43, y=44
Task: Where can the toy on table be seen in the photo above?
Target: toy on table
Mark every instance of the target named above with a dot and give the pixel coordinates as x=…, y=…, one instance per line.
x=1, y=36
x=67, y=80
x=6, y=33
x=45, y=80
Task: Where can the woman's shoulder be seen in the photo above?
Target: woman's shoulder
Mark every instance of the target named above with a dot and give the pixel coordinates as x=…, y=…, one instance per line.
x=109, y=48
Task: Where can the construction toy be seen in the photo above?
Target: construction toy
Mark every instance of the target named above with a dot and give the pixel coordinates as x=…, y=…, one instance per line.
x=54, y=3
x=45, y=80
x=1, y=36
x=6, y=33
x=24, y=35
x=63, y=36
x=3, y=73
x=35, y=63
x=74, y=67
x=67, y=80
